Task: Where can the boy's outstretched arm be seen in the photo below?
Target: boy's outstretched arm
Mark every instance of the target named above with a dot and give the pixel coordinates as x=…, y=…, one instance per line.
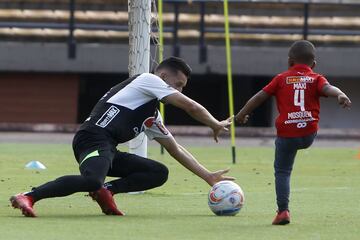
x=332, y=91
x=254, y=102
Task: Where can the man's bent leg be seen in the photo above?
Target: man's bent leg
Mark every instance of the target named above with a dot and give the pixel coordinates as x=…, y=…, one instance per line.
x=100, y=194
x=93, y=174
x=137, y=173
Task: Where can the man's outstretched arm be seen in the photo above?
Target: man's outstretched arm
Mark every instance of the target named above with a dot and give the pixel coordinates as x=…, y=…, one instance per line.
x=198, y=112
x=189, y=161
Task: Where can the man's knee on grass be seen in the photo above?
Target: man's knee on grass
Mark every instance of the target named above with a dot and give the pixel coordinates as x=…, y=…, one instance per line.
x=94, y=172
x=161, y=172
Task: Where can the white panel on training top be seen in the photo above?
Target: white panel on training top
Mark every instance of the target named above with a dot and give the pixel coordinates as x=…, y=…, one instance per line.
x=154, y=128
x=141, y=90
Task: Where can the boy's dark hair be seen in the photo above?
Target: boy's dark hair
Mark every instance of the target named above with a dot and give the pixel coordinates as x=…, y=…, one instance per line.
x=175, y=64
x=302, y=52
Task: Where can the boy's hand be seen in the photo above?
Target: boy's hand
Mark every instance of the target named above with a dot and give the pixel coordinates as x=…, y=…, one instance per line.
x=344, y=101
x=241, y=118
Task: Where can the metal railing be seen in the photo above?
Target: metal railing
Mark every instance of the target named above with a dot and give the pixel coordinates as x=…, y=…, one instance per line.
x=305, y=30
x=337, y=2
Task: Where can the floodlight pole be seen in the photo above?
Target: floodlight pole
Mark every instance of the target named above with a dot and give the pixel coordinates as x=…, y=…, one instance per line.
x=229, y=78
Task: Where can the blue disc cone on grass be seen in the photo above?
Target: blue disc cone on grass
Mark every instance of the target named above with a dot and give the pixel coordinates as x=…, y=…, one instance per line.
x=35, y=165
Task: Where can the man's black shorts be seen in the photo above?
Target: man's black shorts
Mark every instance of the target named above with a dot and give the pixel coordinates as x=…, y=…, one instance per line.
x=87, y=144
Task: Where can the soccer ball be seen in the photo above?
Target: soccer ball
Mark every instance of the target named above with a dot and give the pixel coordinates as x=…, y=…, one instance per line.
x=226, y=198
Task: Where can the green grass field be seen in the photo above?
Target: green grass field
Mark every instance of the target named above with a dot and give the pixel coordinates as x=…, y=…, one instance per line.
x=325, y=198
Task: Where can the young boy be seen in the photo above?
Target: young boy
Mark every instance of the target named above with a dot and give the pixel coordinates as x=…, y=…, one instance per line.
x=297, y=93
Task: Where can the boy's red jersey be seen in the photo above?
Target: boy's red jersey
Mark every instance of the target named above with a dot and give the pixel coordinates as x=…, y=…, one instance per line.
x=297, y=93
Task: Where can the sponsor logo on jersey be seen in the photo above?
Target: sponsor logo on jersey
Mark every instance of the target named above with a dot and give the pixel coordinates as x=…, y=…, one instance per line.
x=162, y=128
x=300, y=118
x=301, y=125
x=302, y=114
x=299, y=79
x=107, y=117
x=150, y=121
x=136, y=131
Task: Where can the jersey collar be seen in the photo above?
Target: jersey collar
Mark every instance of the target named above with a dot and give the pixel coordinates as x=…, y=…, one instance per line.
x=301, y=68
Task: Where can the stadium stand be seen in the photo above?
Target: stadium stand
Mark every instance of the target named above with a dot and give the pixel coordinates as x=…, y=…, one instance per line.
x=96, y=20
x=36, y=44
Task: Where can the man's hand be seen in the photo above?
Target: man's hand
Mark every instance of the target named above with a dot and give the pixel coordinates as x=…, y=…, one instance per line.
x=222, y=126
x=344, y=101
x=189, y=161
x=218, y=176
x=241, y=117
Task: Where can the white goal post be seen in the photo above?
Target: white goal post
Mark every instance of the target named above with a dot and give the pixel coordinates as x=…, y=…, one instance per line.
x=139, y=54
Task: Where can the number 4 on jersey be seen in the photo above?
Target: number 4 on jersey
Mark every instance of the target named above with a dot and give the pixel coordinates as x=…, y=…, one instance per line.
x=299, y=99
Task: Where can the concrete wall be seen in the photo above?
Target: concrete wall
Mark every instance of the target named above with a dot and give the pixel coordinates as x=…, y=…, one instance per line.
x=332, y=115
x=341, y=65
x=113, y=58
x=38, y=98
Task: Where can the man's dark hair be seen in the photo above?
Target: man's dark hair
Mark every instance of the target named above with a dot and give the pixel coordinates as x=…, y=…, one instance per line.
x=175, y=64
x=302, y=52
